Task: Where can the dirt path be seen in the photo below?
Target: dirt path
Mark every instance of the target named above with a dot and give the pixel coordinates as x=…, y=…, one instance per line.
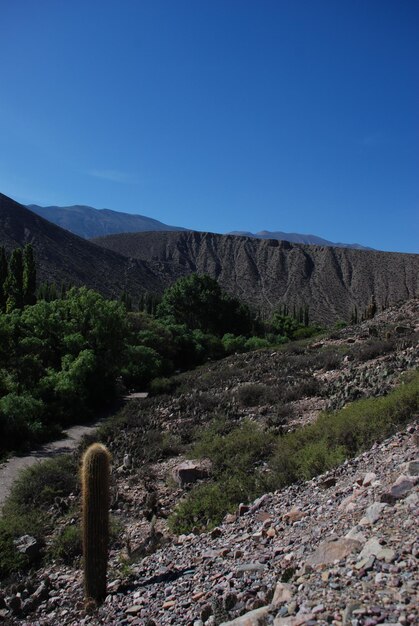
x=10, y=469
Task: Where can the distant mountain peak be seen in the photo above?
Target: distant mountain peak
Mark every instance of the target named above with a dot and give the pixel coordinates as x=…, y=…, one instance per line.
x=88, y=222
x=312, y=240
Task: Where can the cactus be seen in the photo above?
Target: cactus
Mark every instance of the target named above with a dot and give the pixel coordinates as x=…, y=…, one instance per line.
x=95, y=520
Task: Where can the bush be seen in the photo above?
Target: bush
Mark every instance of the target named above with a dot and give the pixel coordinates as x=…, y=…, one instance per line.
x=338, y=435
x=67, y=545
x=159, y=386
x=252, y=394
x=39, y=485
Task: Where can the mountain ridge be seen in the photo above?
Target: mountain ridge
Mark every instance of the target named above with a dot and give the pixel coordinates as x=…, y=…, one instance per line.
x=266, y=273
x=88, y=222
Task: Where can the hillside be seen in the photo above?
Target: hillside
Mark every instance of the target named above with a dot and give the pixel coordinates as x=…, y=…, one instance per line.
x=89, y=222
x=339, y=548
x=65, y=258
x=265, y=273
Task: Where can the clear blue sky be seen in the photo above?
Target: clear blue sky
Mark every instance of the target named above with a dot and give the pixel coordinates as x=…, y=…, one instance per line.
x=218, y=114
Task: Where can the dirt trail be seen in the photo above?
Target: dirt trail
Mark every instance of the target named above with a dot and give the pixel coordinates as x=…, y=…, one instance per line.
x=9, y=470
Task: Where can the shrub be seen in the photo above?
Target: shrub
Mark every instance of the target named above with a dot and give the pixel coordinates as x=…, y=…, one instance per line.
x=67, y=545
x=252, y=394
x=337, y=435
x=39, y=485
x=159, y=386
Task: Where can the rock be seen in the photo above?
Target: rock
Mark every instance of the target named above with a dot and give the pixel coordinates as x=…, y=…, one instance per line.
x=412, y=468
x=249, y=568
x=189, y=472
x=369, y=478
x=401, y=487
x=374, y=548
x=258, y=617
x=373, y=513
x=15, y=604
x=134, y=609
x=230, y=518
x=356, y=534
x=282, y=594
x=216, y=532
x=29, y=546
x=333, y=550
x=294, y=515
x=127, y=462
x=41, y=593
x=243, y=508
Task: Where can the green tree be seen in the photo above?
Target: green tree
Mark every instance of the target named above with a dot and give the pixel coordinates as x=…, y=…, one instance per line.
x=13, y=285
x=29, y=275
x=199, y=303
x=3, y=277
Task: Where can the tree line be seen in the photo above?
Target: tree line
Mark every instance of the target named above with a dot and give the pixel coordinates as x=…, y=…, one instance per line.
x=17, y=278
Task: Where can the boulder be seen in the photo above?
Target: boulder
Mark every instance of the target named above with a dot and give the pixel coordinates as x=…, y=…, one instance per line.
x=189, y=472
x=29, y=546
x=333, y=550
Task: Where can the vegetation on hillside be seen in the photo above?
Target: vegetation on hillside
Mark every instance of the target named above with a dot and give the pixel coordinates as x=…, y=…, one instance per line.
x=63, y=359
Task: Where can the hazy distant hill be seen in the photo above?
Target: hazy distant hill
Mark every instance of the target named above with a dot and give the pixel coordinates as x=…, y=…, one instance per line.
x=297, y=238
x=65, y=258
x=88, y=222
x=267, y=272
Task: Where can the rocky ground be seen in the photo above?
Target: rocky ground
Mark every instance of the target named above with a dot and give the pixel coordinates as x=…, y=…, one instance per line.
x=340, y=549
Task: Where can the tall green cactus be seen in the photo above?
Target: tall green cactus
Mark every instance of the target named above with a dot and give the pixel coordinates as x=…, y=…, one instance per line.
x=95, y=519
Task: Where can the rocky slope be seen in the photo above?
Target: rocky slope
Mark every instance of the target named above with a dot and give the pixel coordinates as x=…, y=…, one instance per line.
x=65, y=258
x=340, y=549
x=265, y=273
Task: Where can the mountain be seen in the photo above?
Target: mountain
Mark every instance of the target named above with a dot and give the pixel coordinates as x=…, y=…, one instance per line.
x=65, y=258
x=297, y=238
x=265, y=273
x=88, y=222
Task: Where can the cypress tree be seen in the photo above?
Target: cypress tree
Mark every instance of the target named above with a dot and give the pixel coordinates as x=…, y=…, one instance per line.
x=3, y=276
x=29, y=275
x=13, y=285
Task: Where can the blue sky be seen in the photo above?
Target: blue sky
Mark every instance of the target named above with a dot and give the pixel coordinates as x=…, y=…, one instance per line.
x=218, y=115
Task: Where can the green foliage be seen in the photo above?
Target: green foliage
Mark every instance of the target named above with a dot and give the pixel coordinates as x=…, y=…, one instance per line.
x=338, y=435
x=29, y=275
x=39, y=485
x=235, y=453
x=199, y=303
x=13, y=285
x=25, y=510
x=3, y=276
x=67, y=545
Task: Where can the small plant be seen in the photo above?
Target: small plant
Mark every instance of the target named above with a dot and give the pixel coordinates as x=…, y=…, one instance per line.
x=95, y=520
x=67, y=546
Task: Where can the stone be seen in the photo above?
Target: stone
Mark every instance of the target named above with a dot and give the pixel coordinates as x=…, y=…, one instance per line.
x=134, y=609
x=412, y=468
x=41, y=593
x=250, y=568
x=369, y=478
x=282, y=593
x=294, y=515
x=334, y=550
x=257, y=617
x=373, y=513
x=374, y=548
x=127, y=462
x=189, y=472
x=29, y=546
x=401, y=487
x=355, y=533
